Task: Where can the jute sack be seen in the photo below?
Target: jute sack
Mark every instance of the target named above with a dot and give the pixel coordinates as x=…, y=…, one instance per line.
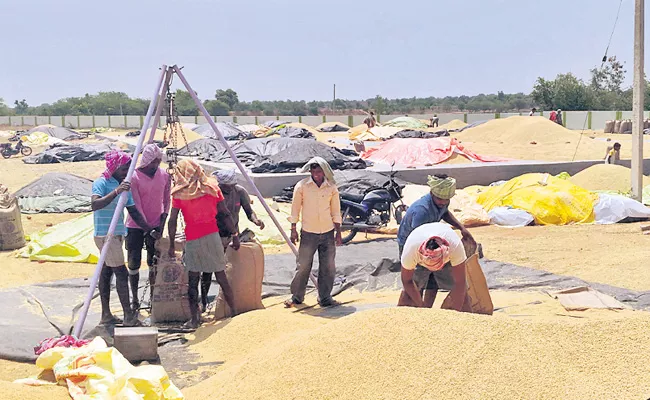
x=478, y=299
x=170, y=302
x=12, y=235
x=245, y=272
x=609, y=127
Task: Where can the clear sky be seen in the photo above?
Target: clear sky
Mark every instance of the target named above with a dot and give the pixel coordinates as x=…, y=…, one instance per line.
x=296, y=49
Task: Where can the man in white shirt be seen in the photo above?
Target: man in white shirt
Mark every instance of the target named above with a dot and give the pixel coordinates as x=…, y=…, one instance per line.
x=432, y=246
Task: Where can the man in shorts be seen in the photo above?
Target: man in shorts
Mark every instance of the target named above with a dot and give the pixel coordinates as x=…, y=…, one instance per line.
x=105, y=193
x=150, y=188
x=432, y=246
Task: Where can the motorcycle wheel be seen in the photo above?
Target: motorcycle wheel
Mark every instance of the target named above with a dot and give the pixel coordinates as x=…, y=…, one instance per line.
x=6, y=154
x=26, y=151
x=399, y=213
x=348, y=233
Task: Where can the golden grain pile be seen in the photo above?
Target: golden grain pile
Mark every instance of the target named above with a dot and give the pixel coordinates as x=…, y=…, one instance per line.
x=606, y=177
x=409, y=353
x=530, y=138
x=453, y=124
x=14, y=391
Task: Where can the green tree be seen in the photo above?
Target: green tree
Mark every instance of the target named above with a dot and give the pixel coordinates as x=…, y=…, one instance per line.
x=543, y=92
x=570, y=93
x=216, y=107
x=185, y=104
x=227, y=96
x=4, y=109
x=21, y=107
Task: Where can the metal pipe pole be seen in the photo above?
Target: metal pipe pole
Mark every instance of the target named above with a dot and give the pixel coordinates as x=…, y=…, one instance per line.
x=242, y=169
x=161, y=101
x=637, y=101
x=118, y=210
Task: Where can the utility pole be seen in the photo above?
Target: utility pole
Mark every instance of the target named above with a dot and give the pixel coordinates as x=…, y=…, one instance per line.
x=334, y=101
x=637, y=101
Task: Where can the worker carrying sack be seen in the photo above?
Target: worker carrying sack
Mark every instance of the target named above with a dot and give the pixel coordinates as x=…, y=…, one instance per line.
x=245, y=272
x=11, y=227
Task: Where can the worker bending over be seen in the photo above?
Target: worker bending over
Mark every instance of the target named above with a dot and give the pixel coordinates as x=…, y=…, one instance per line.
x=431, y=247
x=613, y=154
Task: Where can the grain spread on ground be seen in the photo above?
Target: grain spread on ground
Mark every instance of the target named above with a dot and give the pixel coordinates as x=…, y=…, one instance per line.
x=413, y=353
x=530, y=138
x=606, y=177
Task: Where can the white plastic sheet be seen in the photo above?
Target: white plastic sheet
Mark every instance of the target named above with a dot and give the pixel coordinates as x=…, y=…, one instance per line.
x=510, y=217
x=612, y=208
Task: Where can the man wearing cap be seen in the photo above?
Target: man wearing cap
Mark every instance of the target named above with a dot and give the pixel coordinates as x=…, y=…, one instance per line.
x=151, y=188
x=427, y=250
x=432, y=207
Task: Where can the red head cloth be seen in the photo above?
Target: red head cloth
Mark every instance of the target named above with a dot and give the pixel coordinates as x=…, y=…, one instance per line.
x=434, y=260
x=114, y=160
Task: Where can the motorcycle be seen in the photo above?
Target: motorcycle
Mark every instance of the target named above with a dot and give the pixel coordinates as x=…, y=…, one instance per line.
x=7, y=151
x=369, y=212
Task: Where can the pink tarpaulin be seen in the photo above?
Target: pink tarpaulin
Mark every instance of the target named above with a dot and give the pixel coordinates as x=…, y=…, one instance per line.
x=422, y=152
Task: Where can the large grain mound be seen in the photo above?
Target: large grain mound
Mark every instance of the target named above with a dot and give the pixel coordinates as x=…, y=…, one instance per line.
x=606, y=177
x=530, y=138
x=410, y=353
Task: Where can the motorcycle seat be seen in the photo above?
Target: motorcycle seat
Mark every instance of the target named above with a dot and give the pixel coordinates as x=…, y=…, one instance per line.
x=355, y=198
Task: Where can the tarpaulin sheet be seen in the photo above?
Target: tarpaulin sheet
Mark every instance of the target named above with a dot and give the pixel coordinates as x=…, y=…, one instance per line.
x=273, y=154
x=71, y=153
x=417, y=134
x=36, y=312
x=40, y=139
x=550, y=200
x=229, y=130
x=421, y=152
x=350, y=182
x=57, y=132
x=332, y=127
x=406, y=122
x=70, y=241
x=56, y=192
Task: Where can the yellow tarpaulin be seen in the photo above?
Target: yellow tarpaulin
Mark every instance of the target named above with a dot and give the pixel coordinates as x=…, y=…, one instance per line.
x=550, y=200
x=98, y=372
x=70, y=241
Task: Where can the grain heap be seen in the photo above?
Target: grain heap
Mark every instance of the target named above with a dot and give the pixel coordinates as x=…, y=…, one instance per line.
x=606, y=177
x=453, y=124
x=382, y=353
x=530, y=138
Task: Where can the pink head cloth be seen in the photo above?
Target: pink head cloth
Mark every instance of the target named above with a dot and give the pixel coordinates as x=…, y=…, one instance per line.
x=114, y=160
x=150, y=153
x=434, y=260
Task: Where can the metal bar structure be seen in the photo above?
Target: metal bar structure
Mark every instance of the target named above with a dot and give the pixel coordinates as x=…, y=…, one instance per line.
x=161, y=100
x=118, y=210
x=241, y=167
x=637, y=100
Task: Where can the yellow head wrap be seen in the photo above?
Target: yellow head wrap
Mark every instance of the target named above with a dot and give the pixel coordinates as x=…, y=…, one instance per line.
x=442, y=188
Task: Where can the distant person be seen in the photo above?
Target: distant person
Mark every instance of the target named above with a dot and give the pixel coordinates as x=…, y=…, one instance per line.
x=613, y=154
x=317, y=205
x=370, y=120
x=559, y=117
x=434, y=121
x=150, y=188
x=532, y=112
x=199, y=198
x=427, y=250
x=553, y=116
x=105, y=193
